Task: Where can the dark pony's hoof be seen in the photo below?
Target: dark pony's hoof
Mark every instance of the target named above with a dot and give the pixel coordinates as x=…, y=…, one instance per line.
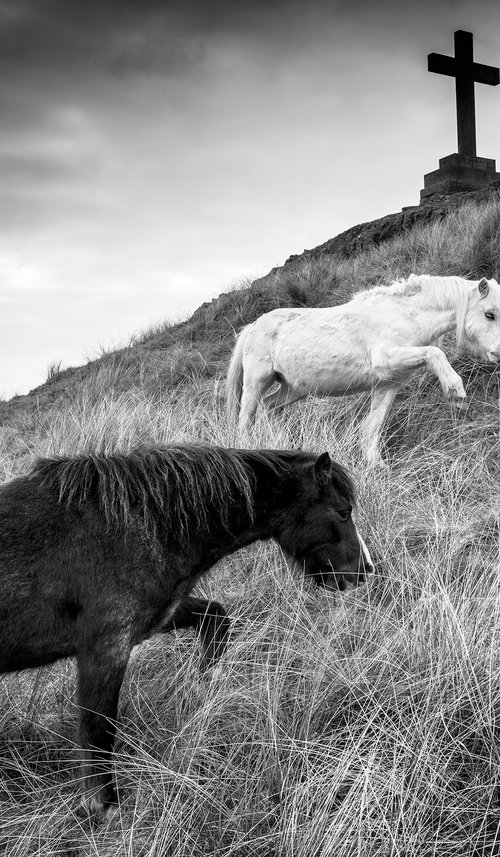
x=101, y=805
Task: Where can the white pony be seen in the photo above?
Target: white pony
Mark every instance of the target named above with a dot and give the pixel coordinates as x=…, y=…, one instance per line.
x=373, y=343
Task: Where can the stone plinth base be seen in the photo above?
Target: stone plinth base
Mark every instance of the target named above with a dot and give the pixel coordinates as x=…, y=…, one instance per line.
x=458, y=173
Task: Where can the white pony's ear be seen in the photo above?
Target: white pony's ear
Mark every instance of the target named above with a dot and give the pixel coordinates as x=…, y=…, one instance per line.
x=483, y=287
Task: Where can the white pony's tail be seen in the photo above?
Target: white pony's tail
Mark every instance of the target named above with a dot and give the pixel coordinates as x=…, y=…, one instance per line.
x=234, y=379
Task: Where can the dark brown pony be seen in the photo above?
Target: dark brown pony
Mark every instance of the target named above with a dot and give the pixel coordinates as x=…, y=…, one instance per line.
x=97, y=553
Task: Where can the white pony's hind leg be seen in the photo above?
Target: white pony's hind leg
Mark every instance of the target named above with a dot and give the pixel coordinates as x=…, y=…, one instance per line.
x=381, y=401
x=256, y=380
x=283, y=396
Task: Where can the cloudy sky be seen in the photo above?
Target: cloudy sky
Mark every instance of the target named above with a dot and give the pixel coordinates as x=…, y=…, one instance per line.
x=153, y=154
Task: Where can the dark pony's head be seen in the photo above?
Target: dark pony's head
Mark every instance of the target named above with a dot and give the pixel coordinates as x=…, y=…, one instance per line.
x=319, y=530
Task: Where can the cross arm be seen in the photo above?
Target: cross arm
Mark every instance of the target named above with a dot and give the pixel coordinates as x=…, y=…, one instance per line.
x=486, y=74
x=475, y=71
x=441, y=64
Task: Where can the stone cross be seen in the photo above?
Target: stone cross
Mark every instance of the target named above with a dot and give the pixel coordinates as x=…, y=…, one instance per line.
x=466, y=72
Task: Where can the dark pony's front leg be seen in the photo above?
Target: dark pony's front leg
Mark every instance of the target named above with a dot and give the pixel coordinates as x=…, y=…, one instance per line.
x=211, y=623
x=101, y=667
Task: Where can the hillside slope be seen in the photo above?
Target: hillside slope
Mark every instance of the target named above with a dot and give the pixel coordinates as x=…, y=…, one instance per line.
x=360, y=724
x=325, y=275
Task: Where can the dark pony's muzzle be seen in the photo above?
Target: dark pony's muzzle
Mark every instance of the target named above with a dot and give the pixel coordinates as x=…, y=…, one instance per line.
x=340, y=578
x=340, y=575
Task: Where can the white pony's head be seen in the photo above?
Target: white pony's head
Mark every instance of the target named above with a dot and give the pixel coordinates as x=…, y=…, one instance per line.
x=482, y=321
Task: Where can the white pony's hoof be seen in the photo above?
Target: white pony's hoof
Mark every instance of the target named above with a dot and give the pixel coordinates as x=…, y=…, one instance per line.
x=455, y=390
x=460, y=404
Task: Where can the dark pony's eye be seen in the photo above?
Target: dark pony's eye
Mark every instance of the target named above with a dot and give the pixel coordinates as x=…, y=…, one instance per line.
x=490, y=316
x=344, y=514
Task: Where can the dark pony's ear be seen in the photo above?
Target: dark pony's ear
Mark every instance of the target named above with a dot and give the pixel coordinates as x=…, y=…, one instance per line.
x=323, y=468
x=483, y=287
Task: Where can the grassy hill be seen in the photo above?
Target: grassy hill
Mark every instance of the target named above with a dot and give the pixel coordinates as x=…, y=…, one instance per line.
x=362, y=724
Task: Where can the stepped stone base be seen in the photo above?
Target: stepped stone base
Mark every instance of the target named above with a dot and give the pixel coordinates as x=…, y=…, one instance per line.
x=459, y=173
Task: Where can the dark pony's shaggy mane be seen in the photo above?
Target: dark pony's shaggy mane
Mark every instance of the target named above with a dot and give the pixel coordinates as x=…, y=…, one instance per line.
x=174, y=485
x=177, y=486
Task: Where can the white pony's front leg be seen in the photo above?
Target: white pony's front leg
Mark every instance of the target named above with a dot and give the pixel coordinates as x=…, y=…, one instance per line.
x=381, y=401
x=399, y=361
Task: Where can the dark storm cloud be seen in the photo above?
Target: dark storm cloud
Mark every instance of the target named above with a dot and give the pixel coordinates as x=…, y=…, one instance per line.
x=130, y=36
x=118, y=34
x=86, y=36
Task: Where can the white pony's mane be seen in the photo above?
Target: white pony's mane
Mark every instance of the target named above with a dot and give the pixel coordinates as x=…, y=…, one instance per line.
x=446, y=292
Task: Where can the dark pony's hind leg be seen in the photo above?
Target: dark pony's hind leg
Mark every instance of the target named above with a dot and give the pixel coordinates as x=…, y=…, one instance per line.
x=211, y=623
x=101, y=667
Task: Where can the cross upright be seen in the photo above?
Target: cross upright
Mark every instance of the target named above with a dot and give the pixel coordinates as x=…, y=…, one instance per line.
x=466, y=72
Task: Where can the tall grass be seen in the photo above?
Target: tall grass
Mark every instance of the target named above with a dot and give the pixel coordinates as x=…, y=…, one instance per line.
x=359, y=724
